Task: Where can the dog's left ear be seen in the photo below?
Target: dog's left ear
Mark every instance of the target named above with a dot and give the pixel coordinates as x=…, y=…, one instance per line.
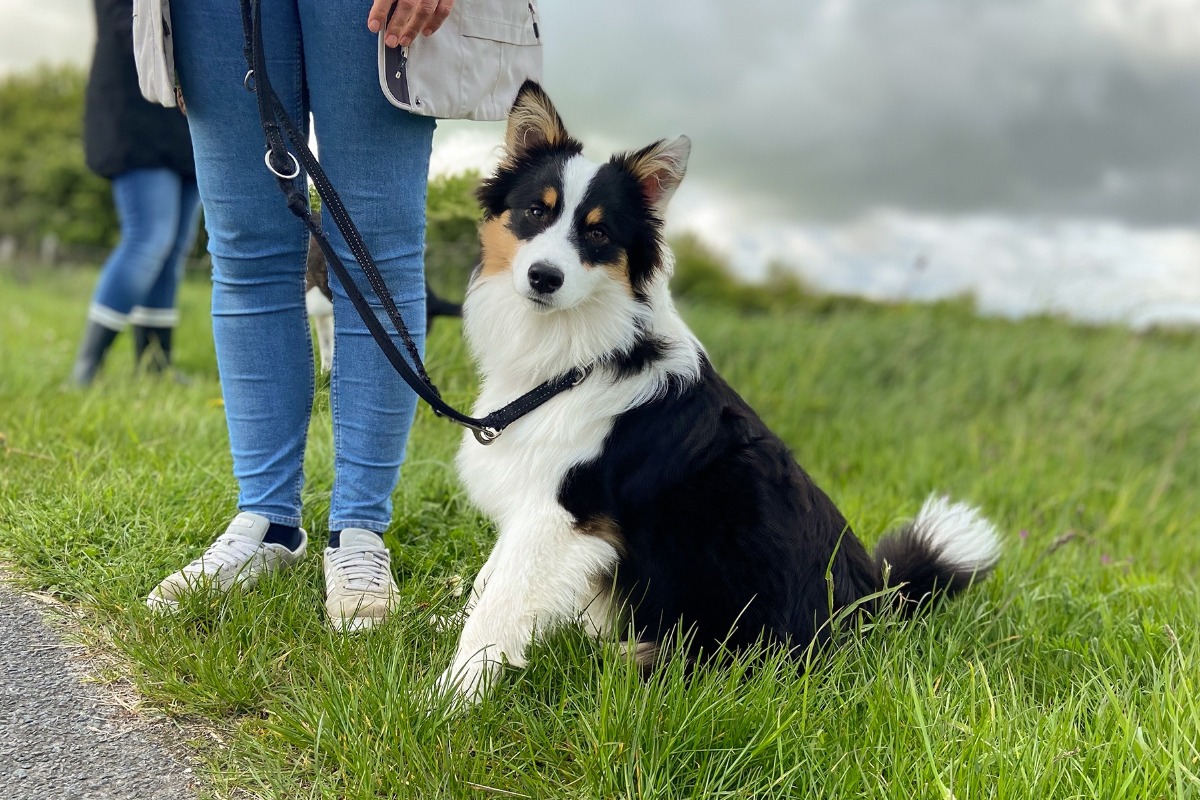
x=533, y=122
x=659, y=169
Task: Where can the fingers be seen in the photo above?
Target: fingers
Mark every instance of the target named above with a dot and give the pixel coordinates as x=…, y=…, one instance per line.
x=411, y=18
x=408, y=21
x=377, y=16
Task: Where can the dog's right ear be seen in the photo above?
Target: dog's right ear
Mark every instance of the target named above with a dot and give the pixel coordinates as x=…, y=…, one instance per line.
x=533, y=123
x=659, y=168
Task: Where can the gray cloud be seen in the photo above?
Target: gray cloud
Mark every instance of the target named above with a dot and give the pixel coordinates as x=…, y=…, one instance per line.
x=829, y=109
x=59, y=31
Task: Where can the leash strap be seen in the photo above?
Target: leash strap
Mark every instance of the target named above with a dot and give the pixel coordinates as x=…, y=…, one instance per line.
x=286, y=168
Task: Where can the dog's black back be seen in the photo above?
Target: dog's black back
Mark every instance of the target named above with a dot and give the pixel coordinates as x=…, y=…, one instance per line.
x=721, y=530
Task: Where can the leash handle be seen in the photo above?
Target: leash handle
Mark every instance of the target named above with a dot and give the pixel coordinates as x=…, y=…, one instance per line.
x=286, y=168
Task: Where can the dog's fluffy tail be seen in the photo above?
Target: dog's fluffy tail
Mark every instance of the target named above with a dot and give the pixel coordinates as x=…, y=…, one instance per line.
x=939, y=553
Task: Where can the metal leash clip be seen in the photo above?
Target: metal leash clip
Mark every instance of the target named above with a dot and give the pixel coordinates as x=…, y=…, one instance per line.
x=486, y=435
x=581, y=373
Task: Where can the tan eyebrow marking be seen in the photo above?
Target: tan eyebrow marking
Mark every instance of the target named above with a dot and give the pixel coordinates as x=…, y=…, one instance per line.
x=550, y=197
x=595, y=216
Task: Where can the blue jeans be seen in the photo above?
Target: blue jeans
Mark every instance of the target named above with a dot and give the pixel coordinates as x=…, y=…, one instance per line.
x=159, y=210
x=321, y=59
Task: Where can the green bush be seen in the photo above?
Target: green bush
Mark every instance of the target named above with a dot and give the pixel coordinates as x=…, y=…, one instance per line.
x=45, y=187
x=451, y=234
x=703, y=276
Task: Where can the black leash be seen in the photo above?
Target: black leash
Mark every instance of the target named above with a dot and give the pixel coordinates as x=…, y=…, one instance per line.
x=286, y=168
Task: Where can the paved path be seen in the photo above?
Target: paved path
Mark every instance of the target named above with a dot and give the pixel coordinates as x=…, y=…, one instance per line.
x=62, y=739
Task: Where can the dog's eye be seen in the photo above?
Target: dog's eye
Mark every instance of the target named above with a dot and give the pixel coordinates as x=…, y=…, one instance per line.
x=596, y=235
x=536, y=211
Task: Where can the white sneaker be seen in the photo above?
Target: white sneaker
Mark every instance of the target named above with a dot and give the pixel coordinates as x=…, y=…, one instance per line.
x=236, y=560
x=360, y=591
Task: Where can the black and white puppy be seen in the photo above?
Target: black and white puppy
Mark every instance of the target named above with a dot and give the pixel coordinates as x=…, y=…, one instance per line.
x=318, y=301
x=650, y=497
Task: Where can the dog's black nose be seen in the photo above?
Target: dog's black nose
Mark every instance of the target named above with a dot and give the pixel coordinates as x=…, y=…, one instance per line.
x=545, y=278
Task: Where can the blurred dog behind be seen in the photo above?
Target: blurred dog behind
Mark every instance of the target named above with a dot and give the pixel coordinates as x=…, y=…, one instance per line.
x=318, y=299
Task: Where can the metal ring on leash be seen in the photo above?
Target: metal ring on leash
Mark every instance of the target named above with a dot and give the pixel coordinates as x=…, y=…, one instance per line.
x=485, y=435
x=275, y=172
x=246, y=81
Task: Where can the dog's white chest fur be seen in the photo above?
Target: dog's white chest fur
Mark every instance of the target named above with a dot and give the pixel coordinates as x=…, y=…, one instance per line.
x=542, y=571
x=525, y=467
x=527, y=464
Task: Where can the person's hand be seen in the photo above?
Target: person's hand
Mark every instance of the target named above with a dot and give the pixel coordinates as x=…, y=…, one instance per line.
x=412, y=17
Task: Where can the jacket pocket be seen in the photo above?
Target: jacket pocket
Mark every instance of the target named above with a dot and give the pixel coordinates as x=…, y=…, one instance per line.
x=472, y=67
x=511, y=21
x=505, y=44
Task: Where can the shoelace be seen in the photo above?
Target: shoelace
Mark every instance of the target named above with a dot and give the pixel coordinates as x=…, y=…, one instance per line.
x=362, y=568
x=227, y=553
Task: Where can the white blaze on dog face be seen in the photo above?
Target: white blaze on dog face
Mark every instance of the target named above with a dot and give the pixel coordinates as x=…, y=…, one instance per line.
x=567, y=230
x=551, y=268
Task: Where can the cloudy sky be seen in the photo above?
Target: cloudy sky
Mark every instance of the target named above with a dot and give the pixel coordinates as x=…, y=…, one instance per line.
x=1039, y=153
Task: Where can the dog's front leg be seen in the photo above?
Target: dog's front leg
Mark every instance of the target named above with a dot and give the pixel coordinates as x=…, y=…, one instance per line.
x=541, y=574
x=443, y=622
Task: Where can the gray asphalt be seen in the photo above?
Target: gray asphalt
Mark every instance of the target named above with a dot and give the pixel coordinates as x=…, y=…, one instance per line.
x=63, y=739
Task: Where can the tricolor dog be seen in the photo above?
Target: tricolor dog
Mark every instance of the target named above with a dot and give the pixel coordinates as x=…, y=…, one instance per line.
x=650, y=498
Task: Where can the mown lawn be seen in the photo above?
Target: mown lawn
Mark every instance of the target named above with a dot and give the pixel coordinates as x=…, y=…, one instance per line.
x=1073, y=672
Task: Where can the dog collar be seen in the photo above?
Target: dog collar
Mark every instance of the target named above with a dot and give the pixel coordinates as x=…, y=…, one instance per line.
x=491, y=426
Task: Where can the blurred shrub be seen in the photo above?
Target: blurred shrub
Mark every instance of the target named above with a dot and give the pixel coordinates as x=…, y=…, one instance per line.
x=702, y=276
x=45, y=188
x=452, y=219
x=44, y=185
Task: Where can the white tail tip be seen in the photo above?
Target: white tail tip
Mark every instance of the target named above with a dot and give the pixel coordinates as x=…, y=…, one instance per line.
x=959, y=533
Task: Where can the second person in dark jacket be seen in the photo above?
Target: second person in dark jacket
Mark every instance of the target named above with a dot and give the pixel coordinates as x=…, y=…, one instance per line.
x=146, y=151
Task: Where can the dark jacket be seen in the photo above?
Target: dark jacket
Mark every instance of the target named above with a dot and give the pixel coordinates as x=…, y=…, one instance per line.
x=122, y=130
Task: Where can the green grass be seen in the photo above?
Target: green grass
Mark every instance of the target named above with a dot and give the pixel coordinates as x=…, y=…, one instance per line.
x=1072, y=673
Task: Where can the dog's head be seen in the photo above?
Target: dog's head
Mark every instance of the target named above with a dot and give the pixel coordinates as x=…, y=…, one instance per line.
x=564, y=230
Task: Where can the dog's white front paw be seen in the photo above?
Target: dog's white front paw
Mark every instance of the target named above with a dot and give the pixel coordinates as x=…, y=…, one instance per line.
x=467, y=682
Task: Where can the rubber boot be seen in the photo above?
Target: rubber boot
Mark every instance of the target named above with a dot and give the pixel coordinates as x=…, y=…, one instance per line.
x=152, y=353
x=96, y=341
x=152, y=348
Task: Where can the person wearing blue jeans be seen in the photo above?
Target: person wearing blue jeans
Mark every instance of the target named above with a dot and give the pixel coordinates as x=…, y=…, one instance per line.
x=145, y=150
x=321, y=59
